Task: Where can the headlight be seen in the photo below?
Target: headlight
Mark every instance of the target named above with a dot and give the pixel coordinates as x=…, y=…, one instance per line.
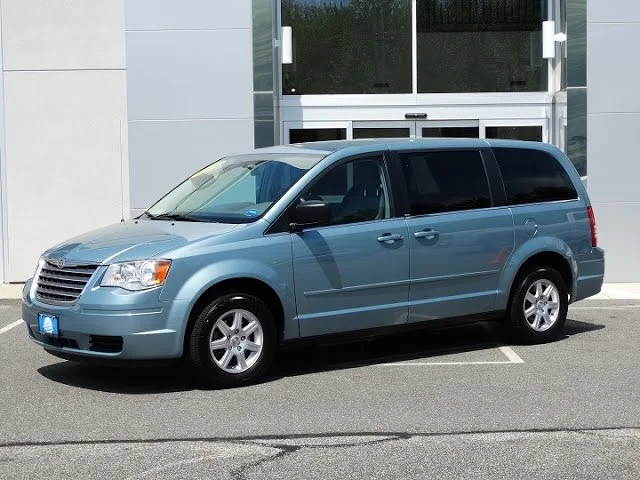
x=136, y=275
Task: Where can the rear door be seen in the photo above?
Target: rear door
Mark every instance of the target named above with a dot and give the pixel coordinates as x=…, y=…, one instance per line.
x=460, y=232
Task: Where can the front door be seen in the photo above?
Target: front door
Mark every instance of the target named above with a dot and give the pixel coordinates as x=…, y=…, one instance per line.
x=352, y=274
x=460, y=235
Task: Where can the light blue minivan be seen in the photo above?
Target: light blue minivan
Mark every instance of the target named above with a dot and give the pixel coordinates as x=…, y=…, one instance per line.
x=311, y=240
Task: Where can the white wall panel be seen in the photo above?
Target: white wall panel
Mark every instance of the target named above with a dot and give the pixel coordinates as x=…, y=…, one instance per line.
x=64, y=138
x=62, y=34
x=187, y=14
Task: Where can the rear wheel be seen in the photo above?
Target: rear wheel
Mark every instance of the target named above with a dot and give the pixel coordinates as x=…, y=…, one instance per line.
x=233, y=341
x=538, y=306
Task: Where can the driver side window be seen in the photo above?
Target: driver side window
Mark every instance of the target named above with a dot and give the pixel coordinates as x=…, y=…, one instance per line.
x=356, y=191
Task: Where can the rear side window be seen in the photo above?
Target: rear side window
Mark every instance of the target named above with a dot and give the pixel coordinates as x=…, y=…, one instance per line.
x=533, y=176
x=445, y=181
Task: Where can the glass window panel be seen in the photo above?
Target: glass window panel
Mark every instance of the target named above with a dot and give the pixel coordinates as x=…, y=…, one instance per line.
x=577, y=43
x=381, y=133
x=532, y=176
x=263, y=105
x=263, y=69
x=577, y=128
x=262, y=45
x=301, y=135
x=264, y=124
x=263, y=133
x=532, y=134
x=356, y=191
x=434, y=183
x=349, y=46
x=480, y=46
x=451, y=132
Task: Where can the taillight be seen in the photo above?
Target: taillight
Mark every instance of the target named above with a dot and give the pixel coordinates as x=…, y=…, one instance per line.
x=592, y=224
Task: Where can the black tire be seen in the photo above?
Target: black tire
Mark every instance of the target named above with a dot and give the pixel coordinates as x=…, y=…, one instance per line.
x=519, y=328
x=200, y=357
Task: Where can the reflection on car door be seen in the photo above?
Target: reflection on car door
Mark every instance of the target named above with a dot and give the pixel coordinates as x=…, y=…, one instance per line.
x=460, y=241
x=353, y=274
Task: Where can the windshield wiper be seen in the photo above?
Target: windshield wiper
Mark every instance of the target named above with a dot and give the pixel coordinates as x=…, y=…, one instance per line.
x=174, y=216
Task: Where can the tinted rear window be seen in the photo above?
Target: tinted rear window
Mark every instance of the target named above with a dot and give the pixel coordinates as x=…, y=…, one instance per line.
x=533, y=176
x=445, y=181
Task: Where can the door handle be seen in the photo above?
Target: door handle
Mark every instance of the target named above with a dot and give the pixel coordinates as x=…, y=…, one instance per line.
x=389, y=237
x=426, y=234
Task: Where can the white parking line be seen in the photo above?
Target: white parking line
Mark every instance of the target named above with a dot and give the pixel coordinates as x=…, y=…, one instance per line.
x=612, y=307
x=507, y=351
x=511, y=355
x=10, y=326
x=431, y=364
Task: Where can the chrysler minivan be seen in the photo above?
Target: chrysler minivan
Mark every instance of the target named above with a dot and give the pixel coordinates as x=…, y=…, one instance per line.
x=311, y=240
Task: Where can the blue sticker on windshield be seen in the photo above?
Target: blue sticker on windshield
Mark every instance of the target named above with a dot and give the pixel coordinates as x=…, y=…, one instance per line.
x=251, y=213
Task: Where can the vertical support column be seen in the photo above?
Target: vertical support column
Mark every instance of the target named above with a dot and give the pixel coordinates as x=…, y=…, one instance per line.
x=577, y=84
x=277, y=70
x=265, y=55
x=414, y=46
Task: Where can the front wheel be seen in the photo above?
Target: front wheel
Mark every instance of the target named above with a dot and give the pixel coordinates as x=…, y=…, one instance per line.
x=538, y=306
x=233, y=341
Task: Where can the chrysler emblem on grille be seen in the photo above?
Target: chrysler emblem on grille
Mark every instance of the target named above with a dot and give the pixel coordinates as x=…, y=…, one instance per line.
x=58, y=262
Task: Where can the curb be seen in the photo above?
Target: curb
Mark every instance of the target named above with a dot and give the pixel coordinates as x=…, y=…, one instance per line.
x=11, y=291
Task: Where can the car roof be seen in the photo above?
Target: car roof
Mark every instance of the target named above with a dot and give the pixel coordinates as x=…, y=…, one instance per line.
x=376, y=144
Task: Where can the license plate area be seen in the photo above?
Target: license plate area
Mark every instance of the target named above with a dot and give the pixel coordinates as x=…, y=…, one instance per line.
x=48, y=324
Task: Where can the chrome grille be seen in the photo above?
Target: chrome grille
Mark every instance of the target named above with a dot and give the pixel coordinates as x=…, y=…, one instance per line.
x=62, y=284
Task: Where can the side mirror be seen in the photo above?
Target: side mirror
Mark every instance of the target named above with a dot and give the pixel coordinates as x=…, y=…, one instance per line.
x=311, y=213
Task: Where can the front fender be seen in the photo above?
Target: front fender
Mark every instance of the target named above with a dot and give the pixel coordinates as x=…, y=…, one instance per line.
x=524, y=252
x=278, y=276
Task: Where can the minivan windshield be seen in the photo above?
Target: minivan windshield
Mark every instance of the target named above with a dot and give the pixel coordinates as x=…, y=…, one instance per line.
x=235, y=189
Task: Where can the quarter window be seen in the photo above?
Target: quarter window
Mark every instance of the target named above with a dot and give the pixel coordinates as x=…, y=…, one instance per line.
x=356, y=191
x=533, y=176
x=445, y=181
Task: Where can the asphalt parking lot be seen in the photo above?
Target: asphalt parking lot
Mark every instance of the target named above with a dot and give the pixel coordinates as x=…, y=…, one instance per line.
x=457, y=403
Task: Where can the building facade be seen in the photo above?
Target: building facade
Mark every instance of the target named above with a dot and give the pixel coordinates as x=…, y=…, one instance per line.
x=107, y=105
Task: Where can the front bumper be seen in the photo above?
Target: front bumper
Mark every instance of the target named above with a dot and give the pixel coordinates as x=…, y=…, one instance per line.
x=112, y=324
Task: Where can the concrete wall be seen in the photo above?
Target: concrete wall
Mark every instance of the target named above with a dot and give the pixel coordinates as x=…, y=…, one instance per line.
x=613, y=36
x=64, y=155
x=190, y=89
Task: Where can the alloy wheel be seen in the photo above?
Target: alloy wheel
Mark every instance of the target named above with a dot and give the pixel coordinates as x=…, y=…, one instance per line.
x=541, y=306
x=236, y=341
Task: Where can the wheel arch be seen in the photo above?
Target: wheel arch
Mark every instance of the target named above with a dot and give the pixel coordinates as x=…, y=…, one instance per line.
x=551, y=253
x=245, y=284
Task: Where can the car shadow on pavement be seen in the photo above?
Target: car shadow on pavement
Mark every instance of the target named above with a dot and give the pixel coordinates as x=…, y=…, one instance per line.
x=424, y=345
x=143, y=380
x=477, y=339
x=576, y=327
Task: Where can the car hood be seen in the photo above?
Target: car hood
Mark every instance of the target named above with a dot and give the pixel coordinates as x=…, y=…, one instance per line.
x=134, y=240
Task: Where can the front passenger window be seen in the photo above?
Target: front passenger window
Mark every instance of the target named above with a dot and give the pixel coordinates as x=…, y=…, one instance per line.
x=356, y=191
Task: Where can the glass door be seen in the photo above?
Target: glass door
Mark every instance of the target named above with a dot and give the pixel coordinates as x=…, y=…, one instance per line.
x=449, y=129
x=533, y=130
x=302, y=132
x=427, y=129
x=384, y=129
